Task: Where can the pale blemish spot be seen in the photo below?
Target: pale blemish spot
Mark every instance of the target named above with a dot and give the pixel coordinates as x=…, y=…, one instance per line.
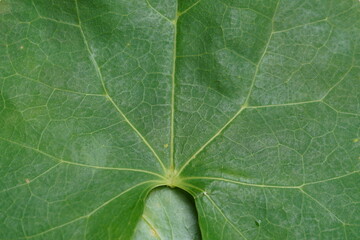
x=21, y=47
x=166, y=145
x=27, y=181
x=355, y=140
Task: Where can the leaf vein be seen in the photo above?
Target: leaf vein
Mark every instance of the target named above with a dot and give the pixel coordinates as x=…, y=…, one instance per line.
x=244, y=106
x=80, y=164
x=225, y=217
x=98, y=71
x=89, y=214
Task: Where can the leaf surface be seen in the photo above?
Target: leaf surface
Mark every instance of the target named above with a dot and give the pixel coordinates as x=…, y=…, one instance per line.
x=168, y=214
x=253, y=107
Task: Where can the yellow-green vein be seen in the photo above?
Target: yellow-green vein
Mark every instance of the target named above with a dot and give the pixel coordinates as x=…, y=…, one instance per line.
x=98, y=71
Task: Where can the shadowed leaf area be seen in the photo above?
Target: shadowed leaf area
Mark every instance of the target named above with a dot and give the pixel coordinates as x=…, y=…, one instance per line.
x=252, y=108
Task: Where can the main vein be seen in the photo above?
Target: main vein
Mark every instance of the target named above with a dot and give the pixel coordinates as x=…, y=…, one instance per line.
x=172, y=132
x=98, y=71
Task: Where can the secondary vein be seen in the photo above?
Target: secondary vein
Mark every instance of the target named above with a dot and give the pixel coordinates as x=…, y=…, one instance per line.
x=172, y=130
x=79, y=164
x=98, y=71
x=242, y=108
x=90, y=213
x=225, y=217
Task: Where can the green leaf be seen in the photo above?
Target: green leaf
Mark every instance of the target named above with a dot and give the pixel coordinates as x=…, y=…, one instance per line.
x=252, y=107
x=168, y=214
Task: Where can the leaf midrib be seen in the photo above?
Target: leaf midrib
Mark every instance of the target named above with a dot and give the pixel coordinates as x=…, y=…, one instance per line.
x=172, y=120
